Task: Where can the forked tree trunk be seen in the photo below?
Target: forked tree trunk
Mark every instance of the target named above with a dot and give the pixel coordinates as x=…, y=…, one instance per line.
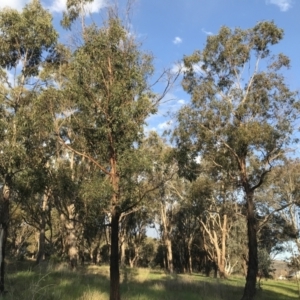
x=219, y=248
x=133, y=257
x=250, y=287
x=114, y=256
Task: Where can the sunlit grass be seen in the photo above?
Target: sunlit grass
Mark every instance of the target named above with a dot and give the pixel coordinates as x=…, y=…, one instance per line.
x=51, y=282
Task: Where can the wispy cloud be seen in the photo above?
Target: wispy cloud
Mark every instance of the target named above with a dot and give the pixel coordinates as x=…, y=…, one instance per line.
x=16, y=4
x=165, y=125
x=179, y=67
x=177, y=40
x=92, y=7
x=207, y=32
x=284, y=5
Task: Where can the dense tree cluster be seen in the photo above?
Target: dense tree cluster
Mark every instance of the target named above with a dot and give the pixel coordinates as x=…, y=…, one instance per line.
x=81, y=181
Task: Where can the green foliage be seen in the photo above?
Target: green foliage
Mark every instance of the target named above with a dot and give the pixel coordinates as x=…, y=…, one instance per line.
x=26, y=36
x=109, y=90
x=233, y=114
x=75, y=8
x=264, y=263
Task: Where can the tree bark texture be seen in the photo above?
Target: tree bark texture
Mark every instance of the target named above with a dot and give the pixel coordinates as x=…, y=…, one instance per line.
x=72, y=228
x=250, y=287
x=123, y=248
x=114, y=256
x=169, y=255
x=219, y=247
x=222, y=270
x=166, y=238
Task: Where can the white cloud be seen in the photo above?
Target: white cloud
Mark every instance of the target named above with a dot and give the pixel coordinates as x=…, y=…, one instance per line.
x=165, y=125
x=206, y=32
x=179, y=67
x=58, y=6
x=181, y=102
x=15, y=4
x=177, y=40
x=284, y=5
x=93, y=7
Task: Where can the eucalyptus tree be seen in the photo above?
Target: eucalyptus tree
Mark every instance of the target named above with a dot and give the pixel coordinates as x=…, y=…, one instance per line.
x=184, y=234
x=169, y=192
x=241, y=115
x=279, y=220
x=27, y=39
x=133, y=229
x=217, y=215
x=108, y=99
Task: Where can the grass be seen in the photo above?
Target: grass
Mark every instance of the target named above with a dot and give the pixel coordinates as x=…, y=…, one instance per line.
x=52, y=282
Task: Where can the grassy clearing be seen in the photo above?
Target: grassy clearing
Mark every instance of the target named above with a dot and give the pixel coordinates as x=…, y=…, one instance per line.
x=49, y=282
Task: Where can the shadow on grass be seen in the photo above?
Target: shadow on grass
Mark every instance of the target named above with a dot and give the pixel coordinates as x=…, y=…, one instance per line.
x=48, y=283
x=26, y=281
x=190, y=287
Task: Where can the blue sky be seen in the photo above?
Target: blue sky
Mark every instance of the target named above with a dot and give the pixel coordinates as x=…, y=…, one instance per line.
x=171, y=29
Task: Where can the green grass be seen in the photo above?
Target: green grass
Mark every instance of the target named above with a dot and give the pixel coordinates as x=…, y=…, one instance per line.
x=48, y=282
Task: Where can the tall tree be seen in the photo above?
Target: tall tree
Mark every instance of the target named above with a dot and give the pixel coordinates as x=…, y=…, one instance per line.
x=108, y=101
x=27, y=37
x=241, y=114
x=169, y=191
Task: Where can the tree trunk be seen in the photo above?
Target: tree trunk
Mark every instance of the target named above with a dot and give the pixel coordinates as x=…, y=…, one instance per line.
x=71, y=232
x=3, y=236
x=219, y=249
x=190, y=255
x=41, y=242
x=72, y=238
x=41, y=248
x=114, y=256
x=222, y=271
x=133, y=258
x=250, y=287
x=169, y=255
x=123, y=248
x=166, y=238
x=4, y=218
